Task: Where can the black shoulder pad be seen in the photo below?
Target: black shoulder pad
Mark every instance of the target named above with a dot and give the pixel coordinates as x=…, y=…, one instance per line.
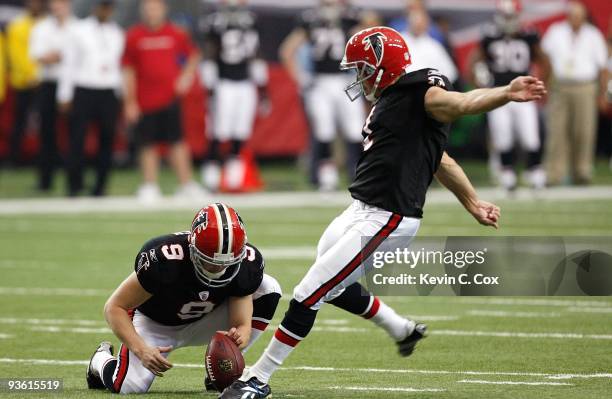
x=426, y=77
x=251, y=273
x=151, y=264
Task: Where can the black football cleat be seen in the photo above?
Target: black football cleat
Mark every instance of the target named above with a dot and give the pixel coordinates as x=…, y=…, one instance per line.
x=406, y=347
x=95, y=381
x=252, y=389
x=209, y=385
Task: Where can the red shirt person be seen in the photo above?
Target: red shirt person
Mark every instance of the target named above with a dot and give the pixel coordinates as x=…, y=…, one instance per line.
x=160, y=62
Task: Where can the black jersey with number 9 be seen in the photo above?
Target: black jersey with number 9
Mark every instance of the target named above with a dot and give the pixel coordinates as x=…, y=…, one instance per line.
x=164, y=269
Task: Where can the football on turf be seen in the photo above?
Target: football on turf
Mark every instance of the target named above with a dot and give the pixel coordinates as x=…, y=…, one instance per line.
x=224, y=361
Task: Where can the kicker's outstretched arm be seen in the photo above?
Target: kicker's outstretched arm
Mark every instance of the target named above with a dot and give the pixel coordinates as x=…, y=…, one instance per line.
x=446, y=106
x=452, y=176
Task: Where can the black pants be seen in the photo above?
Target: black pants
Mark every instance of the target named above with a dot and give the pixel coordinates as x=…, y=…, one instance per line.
x=48, y=157
x=24, y=101
x=101, y=107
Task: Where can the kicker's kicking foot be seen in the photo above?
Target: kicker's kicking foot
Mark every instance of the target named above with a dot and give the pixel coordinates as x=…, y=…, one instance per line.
x=251, y=389
x=406, y=347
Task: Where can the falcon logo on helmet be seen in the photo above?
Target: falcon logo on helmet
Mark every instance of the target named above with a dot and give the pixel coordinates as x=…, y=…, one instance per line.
x=379, y=56
x=217, y=244
x=201, y=220
x=375, y=42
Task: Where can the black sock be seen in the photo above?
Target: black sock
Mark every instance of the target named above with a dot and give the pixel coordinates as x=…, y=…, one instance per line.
x=533, y=159
x=107, y=374
x=214, y=149
x=299, y=319
x=507, y=159
x=236, y=147
x=355, y=299
x=265, y=306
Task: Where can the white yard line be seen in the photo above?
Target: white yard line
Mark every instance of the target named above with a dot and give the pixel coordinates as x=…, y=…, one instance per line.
x=564, y=375
x=76, y=322
x=516, y=383
x=587, y=305
x=384, y=389
x=578, y=309
x=269, y=201
x=448, y=372
x=5, y=336
x=81, y=322
x=433, y=317
x=517, y=334
x=332, y=328
x=79, y=292
x=503, y=313
x=304, y=252
x=535, y=302
x=75, y=330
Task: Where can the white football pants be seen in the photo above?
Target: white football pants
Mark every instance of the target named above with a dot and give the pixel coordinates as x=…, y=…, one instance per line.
x=328, y=107
x=350, y=238
x=234, y=108
x=518, y=120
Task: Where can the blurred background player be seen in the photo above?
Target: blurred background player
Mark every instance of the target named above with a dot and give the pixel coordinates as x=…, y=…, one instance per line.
x=3, y=71
x=507, y=51
x=234, y=78
x=23, y=72
x=160, y=63
x=578, y=55
x=325, y=30
x=402, y=24
x=424, y=49
x=88, y=87
x=46, y=48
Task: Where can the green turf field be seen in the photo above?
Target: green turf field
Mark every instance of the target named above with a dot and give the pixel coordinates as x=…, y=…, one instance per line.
x=57, y=271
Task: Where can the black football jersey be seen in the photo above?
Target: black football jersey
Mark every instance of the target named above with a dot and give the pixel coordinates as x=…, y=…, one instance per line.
x=403, y=146
x=165, y=270
x=234, y=37
x=508, y=57
x=327, y=39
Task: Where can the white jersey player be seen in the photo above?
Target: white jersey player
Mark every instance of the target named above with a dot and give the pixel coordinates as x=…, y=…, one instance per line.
x=325, y=30
x=233, y=74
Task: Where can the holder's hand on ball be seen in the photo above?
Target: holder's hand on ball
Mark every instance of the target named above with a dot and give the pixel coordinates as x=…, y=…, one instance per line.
x=239, y=337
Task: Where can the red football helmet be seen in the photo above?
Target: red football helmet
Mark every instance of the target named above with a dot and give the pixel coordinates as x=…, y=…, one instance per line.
x=217, y=244
x=379, y=55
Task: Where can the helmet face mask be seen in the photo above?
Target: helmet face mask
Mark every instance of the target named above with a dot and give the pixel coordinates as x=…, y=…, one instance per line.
x=363, y=72
x=213, y=279
x=508, y=23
